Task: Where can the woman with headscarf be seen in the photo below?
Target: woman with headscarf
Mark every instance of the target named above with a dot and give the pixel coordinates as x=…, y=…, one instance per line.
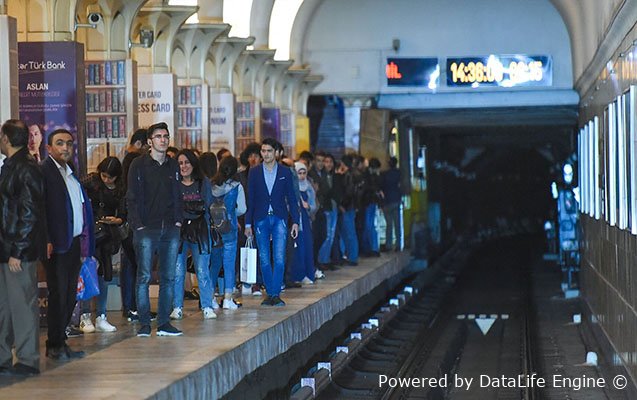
x=303, y=266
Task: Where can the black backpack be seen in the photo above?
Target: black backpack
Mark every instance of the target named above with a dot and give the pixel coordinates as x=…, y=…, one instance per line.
x=219, y=218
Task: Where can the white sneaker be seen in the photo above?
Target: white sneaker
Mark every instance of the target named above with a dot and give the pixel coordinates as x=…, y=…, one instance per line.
x=215, y=305
x=177, y=313
x=209, y=313
x=86, y=325
x=229, y=304
x=307, y=281
x=256, y=290
x=102, y=325
x=318, y=274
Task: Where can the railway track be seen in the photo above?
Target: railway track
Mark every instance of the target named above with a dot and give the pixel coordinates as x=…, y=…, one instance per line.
x=460, y=337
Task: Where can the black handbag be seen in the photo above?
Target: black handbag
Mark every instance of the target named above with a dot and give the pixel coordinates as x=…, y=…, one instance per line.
x=102, y=232
x=193, y=230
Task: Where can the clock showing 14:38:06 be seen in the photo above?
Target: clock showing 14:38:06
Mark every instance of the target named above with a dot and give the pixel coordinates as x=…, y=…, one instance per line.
x=493, y=70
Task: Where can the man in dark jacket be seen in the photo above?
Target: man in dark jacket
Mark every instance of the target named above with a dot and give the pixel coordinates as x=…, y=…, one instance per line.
x=155, y=213
x=23, y=243
x=346, y=190
x=70, y=238
x=327, y=197
x=390, y=185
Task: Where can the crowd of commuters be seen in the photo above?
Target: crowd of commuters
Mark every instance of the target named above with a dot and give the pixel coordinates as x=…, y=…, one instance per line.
x=177, y=210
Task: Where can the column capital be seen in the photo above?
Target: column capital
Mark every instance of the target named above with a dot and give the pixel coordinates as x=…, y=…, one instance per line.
x=357, y=100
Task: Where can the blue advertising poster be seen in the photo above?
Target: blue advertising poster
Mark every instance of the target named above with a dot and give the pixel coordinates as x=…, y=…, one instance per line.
x=51, y=87
x=271, y=123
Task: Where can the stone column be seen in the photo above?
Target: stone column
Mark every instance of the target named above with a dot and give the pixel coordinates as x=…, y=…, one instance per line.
x=9, y=68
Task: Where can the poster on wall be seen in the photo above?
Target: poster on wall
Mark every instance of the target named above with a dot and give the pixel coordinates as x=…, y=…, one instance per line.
x=271, y=123
x=221, y=121
x=51, y=92
x=302, y=141
x=156, y=101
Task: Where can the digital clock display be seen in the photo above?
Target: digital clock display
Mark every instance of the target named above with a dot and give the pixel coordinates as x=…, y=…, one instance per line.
x=418, y=72
x=500, y=70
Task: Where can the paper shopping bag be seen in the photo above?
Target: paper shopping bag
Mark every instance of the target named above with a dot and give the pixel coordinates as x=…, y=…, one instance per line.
x=248, y=262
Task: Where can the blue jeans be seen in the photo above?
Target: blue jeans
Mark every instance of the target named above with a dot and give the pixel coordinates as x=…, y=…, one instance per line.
x=348, y=234
x=392, y=218
x=216, y=255
x=201, y=263
x=325, y=251
x=276, y=228
x=370, y=237
x=303, y=265
x=165, y=242
x=229, y=260
x=127, y=284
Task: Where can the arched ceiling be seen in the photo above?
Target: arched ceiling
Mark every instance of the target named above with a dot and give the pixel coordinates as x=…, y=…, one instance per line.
x=595, y=29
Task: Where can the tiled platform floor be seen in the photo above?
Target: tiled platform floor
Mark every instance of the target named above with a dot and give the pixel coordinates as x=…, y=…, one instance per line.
x=120, y=365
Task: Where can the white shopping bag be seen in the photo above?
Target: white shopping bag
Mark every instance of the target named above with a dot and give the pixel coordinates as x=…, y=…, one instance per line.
x=249, y=262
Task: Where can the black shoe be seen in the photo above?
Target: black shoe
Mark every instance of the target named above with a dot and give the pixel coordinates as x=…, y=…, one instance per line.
x=375, y=253
x=191, y=295
x=293, y=285
x=153, y=316
x=143, y=331
x=73, y=354
x=267, y=301
x=168, y=330
x=333, y=267
x=57, y=353
x=24, y=370
x=277, y=302
x=4, y=371
x=132, y=316
x=352, y=263
x=72, y=331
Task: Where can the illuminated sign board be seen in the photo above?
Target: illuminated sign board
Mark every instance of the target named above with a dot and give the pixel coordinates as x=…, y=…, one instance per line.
x=413, y=72
x=500, y=70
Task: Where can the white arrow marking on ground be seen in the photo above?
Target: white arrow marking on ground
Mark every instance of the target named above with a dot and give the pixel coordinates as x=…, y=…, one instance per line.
x=485, y=324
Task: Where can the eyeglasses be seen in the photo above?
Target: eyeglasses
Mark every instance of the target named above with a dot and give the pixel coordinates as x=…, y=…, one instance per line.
x=161, y=137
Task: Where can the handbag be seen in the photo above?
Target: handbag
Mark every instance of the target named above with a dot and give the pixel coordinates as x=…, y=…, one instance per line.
x=193, y=230
x=87, y=284
x=101, y=232
x=248, y=262
x=123, y=230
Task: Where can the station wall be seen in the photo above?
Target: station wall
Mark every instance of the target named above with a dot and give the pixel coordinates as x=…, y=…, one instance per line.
x=348, y=40
x=609, y=242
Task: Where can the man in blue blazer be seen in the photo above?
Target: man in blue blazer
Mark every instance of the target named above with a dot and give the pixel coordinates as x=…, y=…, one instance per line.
x=271, y=200
x=70, y=239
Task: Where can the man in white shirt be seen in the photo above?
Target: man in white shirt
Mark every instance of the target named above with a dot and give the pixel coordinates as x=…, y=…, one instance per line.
x=70, y=239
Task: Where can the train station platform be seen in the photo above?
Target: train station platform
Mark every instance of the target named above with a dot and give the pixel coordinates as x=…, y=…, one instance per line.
x=213, y=356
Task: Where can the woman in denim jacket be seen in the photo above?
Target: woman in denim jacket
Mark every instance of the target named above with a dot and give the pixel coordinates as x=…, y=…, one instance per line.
x=226, y=187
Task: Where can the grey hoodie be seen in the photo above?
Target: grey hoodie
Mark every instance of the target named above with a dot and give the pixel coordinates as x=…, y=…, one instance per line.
x=230, y=184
